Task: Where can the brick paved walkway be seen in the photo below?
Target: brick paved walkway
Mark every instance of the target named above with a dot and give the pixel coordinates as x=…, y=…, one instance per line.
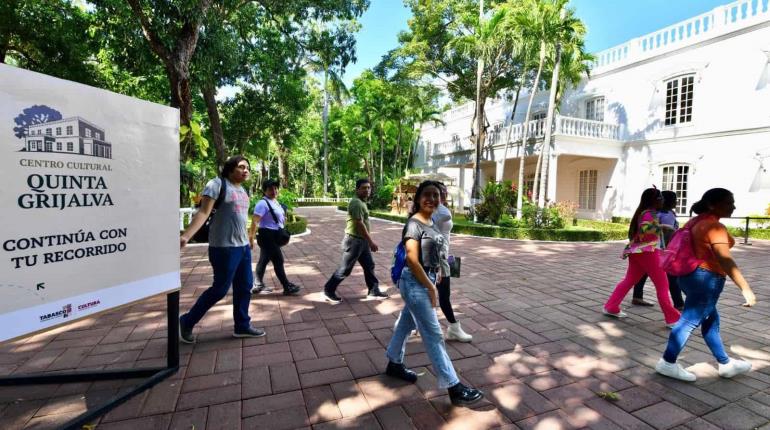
x=541, y=351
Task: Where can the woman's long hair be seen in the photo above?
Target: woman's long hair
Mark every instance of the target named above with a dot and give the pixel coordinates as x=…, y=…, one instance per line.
x=649, y=197
x=710, y=198
x=420, y=188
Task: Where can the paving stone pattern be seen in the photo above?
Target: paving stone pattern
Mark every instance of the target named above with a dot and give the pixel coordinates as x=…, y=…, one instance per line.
x=542, y=352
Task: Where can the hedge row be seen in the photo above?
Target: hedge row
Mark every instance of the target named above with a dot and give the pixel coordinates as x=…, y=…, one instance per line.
x=586, y=230
x=297, y=226
x=567, y=235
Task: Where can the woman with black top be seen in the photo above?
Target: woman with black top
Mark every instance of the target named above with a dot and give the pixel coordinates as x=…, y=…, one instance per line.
x=424, y=245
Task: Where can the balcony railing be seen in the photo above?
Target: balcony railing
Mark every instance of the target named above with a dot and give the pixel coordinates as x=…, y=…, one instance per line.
x=499, y=134
x=718, y=21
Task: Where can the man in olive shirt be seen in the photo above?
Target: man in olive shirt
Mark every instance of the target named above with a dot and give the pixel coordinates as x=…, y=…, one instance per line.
x=357, y=245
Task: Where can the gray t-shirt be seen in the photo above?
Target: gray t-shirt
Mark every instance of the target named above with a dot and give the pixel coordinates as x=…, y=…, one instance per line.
x=432, y=248
x=228, y=227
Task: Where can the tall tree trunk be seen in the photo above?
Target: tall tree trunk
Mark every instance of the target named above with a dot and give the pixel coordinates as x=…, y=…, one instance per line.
x=382, y=152
x=370, y=170
x=545, y=151
x=326, y=125
x=523, y=152
x=283, y=164
x=397, y=162
x=510, y=128
x=480, y=101
x=209, y=96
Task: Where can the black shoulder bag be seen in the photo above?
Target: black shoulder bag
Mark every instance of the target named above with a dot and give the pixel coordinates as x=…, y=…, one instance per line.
x=282, y=236
x=202, y=235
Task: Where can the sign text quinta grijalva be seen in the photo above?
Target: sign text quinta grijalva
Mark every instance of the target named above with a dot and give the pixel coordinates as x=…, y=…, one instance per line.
x=65, y=191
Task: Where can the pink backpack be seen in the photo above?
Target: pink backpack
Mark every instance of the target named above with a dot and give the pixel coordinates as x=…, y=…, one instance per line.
x=678, y=259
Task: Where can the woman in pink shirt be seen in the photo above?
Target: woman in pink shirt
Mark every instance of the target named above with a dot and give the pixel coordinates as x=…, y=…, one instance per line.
x=644, y=258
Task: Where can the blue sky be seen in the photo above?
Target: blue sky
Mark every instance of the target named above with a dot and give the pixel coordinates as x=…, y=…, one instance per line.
x=609, y=22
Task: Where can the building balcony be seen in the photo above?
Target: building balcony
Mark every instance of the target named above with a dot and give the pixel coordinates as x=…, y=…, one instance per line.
x=457, y=149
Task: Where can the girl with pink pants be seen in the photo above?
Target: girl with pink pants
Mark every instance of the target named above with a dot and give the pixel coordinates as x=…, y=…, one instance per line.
x=644, y=258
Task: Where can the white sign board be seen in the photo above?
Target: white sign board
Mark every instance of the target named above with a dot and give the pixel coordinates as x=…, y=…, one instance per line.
x=89, y=216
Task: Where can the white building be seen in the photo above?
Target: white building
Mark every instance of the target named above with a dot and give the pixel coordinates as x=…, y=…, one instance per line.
x=70, y=135
x=685, y=108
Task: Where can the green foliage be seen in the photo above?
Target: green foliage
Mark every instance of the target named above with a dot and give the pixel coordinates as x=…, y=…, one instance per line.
x=572, y=234
x=621, y=220
x=288, y=199
x=297, y=224
x=498, y=199
x=194, y=132
x=383, y=195
x=547, y=217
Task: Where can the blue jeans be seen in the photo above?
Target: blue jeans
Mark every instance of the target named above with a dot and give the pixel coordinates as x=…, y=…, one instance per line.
x=232, y=265
x=702, y=289
x=419, y=313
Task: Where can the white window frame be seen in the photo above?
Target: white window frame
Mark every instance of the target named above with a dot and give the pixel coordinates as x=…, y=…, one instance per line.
x=587, y=189
x=69, y=130
x=676, y=177
x=88, y=132
x=595, y=108
x=678, y=104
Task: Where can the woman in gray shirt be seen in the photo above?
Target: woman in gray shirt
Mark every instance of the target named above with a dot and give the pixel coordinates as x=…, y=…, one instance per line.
x=417, y=285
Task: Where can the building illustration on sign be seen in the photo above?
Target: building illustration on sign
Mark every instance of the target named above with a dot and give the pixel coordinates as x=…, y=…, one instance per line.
x=44, y=129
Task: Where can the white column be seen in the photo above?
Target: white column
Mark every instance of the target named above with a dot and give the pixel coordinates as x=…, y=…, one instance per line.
x=552, y=178
x=461, y=198
x=499, y=165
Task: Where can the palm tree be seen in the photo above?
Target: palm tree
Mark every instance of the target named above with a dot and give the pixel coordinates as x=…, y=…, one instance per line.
x=536, y=22
x=491, y=46
x=567, y=37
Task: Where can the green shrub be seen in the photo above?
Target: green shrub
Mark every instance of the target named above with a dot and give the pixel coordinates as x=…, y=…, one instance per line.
x=535, y=217
x=499, y=198
x=296, y=224
x=621, y=220
x=555, y=234
x=509, y=221
x=288, y=198
x=383, y=195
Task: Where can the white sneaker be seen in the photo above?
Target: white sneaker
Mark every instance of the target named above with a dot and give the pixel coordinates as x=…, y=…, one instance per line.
x=455, y=332
x=674, y=370
x=733, y=367
x=619, y=314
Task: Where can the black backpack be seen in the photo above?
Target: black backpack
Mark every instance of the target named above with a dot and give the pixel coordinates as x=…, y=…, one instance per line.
x=202, y=235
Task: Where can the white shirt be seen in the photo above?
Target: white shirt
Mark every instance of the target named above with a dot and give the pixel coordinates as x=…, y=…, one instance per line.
x=442, y=217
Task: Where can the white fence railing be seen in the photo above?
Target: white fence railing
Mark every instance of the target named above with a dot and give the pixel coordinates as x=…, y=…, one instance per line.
x=323, y=200
x=498, y=134
x=185, y=217
x=718, y=21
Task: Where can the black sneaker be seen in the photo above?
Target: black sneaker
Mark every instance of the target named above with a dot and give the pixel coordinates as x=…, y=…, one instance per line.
x=185, y=334
x=459, y=394
x=291, y=290
x=400, y=371
x=249, y=332
x=259, y=287
x=332, y=298
x=375, y=293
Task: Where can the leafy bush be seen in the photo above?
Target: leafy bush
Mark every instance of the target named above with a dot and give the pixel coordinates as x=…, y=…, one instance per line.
x=296, y=224
x=621, y=220
x=566, y=209
x=509, y=221
x=547, y=217
x=288, y=199
x=383, y=195
x=499, y=199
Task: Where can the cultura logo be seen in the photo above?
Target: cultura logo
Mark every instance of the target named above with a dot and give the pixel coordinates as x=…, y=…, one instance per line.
x=43, y=129
x=89, y=305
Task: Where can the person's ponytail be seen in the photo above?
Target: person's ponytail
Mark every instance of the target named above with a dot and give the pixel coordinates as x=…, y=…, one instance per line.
x=710, y=198
x=699, y=207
